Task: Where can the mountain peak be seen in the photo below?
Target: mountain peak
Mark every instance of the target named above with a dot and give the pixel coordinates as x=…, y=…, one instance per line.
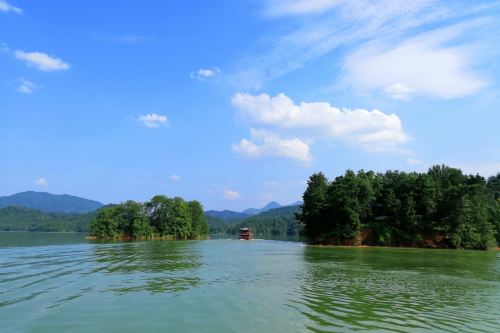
x=47, y=202
x=268, y=206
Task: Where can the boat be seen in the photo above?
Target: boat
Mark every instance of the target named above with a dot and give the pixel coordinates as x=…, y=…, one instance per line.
x=246, y=234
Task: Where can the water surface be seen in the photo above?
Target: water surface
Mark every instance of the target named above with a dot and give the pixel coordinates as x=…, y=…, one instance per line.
x=62, y=283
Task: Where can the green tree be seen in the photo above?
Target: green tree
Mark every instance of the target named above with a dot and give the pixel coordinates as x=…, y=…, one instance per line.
x=312, y=215
x=442, y=207
x=105, y=224
x=181, y=219
x=160, y=213
x=198, y=222
x=494, y=185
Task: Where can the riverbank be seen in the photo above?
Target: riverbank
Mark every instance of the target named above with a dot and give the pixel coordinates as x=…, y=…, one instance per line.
x=153, y=238
x=393, y=247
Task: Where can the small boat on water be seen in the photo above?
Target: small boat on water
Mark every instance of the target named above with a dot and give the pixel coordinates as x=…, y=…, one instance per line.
x=246, y=234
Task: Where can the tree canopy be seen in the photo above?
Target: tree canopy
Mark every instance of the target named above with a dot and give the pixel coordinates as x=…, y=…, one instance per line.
x=161, y=217
x=442, y=207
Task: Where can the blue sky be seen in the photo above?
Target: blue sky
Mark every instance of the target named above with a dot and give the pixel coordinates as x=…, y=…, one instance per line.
x=236, y=103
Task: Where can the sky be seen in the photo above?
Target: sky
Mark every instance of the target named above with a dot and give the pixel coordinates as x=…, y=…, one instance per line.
x=237, y=103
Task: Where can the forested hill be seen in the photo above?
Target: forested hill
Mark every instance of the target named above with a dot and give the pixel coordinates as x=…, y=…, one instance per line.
x=440, y=208
x=25, y=219
x=226, y=215
x=269, y=206
x=278, y=222
x=46, y=202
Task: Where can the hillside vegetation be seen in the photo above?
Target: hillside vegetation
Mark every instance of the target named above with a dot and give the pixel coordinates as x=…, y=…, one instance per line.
x=25, y=219
x=440, y=208
x=53, y=203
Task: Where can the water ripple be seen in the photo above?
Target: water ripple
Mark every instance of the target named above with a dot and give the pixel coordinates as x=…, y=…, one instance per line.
x=279, y=286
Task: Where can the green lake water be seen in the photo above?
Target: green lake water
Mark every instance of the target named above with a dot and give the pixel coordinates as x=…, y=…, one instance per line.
x=63, y=283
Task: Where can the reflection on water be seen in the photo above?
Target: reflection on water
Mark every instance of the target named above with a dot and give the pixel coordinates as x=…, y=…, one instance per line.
x=228, y=285
x=71, y=271
x=400, y=290
x=158, y=266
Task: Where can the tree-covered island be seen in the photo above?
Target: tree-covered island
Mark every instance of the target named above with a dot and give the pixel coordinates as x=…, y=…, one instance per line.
x=159, y=218
x=440, y=208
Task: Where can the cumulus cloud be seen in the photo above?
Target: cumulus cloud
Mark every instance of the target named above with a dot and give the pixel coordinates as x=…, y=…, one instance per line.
x=26, y=86
x=174, y=178
x=42, y=61
x=426, y=65
x=7, y=7
x=372, y=130
x=231, y=195
x=153, y=120
x=264, y=143
x=42, y=182
x=204, y=74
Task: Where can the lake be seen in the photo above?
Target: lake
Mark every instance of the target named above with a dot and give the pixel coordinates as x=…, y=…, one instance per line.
x=63, y=283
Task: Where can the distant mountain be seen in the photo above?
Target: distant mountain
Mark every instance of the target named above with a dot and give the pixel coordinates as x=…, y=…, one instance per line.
x=46, y=202
x=255, y=211
x=226, y=215
x=277, y=221
x=230, y=216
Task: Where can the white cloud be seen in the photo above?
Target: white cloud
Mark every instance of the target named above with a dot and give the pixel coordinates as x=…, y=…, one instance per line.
x=266, y=143
x=372, y=130
x=231, y=195
x=42, y=182
x=485, y=169
x=42, y=61
x=204, y=74
x=153, y=120
x=299, y=7
x=7, y=7
x=424, y=65
x=267, y=196
x=270, y=183
x=414, y=161
x=26, y=86
x=174, y=178
x=399, y=91
x=349, y=26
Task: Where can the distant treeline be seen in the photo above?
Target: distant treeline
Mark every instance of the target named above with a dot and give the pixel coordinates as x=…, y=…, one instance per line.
x=275, y=222
x=440, y=208
x=14, y=218
x=161, y=217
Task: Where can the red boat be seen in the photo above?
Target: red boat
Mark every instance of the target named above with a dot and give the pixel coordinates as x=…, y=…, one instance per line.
x=246, y=234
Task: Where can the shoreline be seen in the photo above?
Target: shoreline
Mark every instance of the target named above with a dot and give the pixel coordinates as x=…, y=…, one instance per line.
x=395, y=247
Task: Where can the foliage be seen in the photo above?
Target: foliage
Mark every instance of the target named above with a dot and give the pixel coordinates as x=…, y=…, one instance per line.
x=276, y=222
x=161, y=217
x=24, y=219
x=227, y=215
x=216, y=225
x=442, y=207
